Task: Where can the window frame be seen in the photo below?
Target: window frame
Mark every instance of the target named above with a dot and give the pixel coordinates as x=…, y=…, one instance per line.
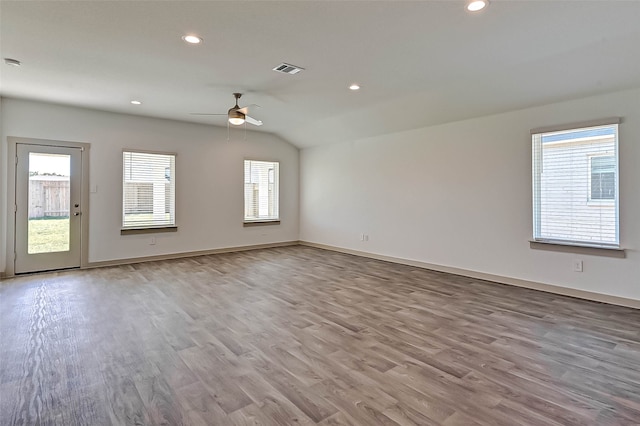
x=146, y=229
x=273, y=220
x=599, y=247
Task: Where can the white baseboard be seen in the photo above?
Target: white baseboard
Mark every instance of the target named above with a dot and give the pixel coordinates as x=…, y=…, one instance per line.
x=181, y=255
x=580, y=294
x=128, y=261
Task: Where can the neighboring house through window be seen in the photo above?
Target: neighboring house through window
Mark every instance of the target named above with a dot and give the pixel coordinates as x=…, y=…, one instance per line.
x=603, y=177
x=148, y=190
x=575, y=185
x=261, y=191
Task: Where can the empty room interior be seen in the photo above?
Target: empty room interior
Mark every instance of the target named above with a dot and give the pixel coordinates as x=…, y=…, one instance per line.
x=320, y=212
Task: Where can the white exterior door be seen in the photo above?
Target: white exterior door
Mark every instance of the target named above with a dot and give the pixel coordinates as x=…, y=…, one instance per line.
x=48, y=216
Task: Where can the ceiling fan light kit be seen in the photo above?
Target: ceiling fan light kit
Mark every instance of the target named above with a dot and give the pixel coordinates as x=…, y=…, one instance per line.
x=236, y=117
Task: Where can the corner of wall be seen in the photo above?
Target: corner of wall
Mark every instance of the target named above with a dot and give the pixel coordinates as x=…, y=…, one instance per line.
x=3, y=191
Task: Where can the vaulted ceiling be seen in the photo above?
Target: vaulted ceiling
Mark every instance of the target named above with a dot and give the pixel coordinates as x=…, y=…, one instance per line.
x=419, y=63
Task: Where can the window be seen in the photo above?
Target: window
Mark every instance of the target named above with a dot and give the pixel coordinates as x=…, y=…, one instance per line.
x=260, y=191
x=603, y=177
x=575, y=185
x=148, y=190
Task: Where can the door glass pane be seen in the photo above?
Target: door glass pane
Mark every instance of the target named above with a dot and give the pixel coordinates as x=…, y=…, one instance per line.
x=49, y=202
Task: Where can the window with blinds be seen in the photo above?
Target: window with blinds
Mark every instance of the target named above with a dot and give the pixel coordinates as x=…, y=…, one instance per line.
x=148, y=190
x=260, y=191
x=575, y=186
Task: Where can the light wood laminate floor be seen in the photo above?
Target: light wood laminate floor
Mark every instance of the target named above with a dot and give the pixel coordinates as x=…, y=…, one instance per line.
x=303, y=336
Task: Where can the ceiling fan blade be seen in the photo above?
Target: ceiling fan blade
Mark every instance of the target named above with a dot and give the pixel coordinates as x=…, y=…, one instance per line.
x=253, y=121
x=200, y=113
x=245, y=109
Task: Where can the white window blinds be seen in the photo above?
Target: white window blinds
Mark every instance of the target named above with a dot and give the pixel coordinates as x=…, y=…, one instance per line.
x=261, y=190
x=148, y=190
x=575, y=185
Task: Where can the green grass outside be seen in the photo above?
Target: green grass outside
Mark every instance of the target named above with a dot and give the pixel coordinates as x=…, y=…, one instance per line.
x=48, y=235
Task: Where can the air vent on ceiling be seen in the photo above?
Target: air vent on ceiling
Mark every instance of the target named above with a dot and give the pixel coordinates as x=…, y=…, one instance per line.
x=288, y=69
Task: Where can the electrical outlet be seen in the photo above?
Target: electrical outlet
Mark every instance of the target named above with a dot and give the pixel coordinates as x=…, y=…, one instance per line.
x=577, y=265
x=152, y=242
x=366, y=237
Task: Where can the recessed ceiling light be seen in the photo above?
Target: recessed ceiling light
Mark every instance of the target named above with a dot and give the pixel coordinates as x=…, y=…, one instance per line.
x=192, y=39
x=354, y=87
x=136, y=102
x=477, y=5
x=12, y=62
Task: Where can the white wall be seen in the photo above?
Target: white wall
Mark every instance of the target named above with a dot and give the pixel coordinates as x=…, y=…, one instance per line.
x=459, y=195
x=456, y=195
x=209, y=177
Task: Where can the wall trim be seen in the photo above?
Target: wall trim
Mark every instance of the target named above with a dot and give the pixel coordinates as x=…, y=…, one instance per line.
x=532, y=285
x=571, y=248
x=568, y=126
x=181, y=255
x=149, y=230
x=128, y=261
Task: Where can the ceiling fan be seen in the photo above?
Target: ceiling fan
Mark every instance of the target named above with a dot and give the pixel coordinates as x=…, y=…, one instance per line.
x=238, y=116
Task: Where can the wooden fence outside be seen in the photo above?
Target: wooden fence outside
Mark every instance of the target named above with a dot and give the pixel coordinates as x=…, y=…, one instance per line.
x=48, y=197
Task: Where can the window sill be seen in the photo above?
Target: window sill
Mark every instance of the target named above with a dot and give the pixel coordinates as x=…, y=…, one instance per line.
x=261, y=222
x=150, y=230
x=566, y=247
x=601, y=203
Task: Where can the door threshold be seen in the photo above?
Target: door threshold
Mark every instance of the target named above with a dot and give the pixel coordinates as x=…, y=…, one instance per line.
x=47, y=271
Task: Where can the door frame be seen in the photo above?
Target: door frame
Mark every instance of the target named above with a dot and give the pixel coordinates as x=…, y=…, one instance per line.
x=12, y=142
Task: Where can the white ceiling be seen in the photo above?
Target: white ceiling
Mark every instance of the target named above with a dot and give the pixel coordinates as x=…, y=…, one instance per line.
x=419, y=63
